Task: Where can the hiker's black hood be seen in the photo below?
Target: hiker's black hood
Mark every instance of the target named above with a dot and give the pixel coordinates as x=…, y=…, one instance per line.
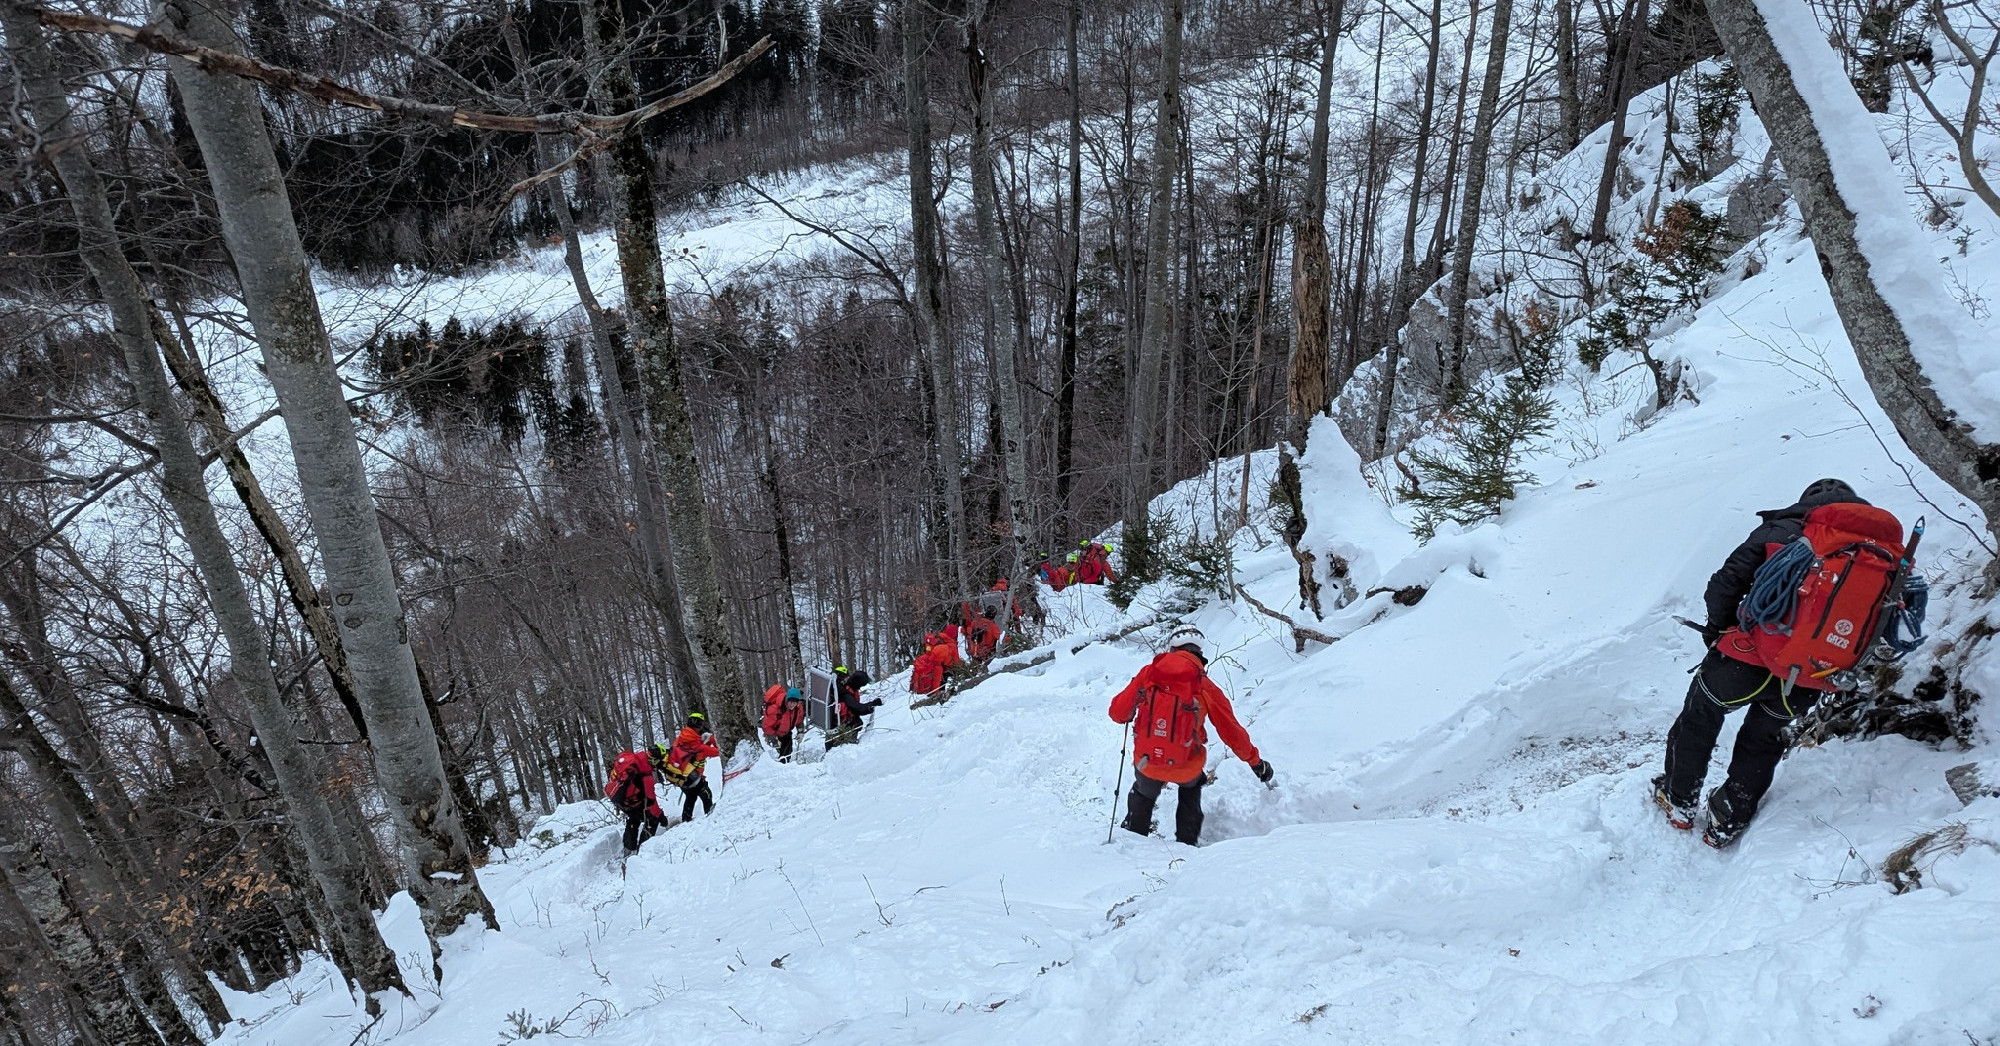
x=1818, y=492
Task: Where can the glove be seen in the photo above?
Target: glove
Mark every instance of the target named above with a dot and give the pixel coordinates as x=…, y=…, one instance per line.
x=1263, y=770
x=1711, y=633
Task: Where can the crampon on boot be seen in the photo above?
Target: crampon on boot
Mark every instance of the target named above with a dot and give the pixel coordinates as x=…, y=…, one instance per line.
x=1680, y=813
x=1729, y=812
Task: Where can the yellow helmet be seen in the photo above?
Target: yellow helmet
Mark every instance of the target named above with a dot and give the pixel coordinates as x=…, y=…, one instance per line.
x=1072, y=558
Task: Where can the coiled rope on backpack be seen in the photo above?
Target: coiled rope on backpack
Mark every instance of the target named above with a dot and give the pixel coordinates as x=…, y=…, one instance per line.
x=1774, y=590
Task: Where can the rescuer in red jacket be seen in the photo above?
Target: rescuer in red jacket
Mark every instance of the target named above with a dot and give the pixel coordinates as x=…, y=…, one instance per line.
x=1169, y=704
x=692, y=749
x=631, y=790
x=784, y=710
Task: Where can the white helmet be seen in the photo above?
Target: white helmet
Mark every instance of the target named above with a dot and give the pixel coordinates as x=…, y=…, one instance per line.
x=1187, y=635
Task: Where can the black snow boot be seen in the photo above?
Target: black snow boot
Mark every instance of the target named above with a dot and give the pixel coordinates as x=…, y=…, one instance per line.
x=1729, y=812
x=1138, y=812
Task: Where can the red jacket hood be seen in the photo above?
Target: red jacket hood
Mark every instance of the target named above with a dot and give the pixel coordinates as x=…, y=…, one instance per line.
x=1178, y=669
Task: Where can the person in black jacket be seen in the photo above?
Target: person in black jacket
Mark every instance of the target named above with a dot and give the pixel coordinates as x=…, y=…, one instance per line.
x=850, y=707
x=1724, y=684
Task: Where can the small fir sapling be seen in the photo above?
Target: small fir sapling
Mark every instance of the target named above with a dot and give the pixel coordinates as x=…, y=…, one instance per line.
x=1673, y=265
x=1478, y=469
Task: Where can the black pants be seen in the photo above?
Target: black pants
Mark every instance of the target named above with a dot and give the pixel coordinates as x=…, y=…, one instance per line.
x=698, y=790
x=1722, y=685
x=1146, y=792
x=639, y=827
x=784, y=745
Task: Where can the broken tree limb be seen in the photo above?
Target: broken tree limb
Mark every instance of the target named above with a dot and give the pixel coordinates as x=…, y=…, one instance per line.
x=162, y=41
x=1300, y=633
x=1067, y=645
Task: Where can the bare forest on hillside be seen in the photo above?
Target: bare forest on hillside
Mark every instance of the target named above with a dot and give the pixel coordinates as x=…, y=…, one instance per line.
x=307, y=599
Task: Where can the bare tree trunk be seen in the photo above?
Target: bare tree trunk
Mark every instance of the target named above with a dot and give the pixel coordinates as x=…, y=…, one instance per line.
x=1000, y=316
x=1310, y=387
x=621, y=395
x=1569, y=122
x=1475, y=192
x=187, y=370
x=1433, y=266
x=781, y=529
x=1406, y=273
x=1143, y=419
x=338, y=877
x=1072, y=284
x=1621, y=103
x=933, y=329
x=650, y=319
x=250, y=196
x=1817, y=176
x=1369, y=207
x=90, y=970
x=104, y=870
x=1266, y=248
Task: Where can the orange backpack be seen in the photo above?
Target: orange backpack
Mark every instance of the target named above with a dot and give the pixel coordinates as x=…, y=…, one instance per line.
x=1817, y=604
x=1167, y=732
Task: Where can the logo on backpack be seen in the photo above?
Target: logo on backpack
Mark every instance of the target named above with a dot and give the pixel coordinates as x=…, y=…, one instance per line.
x=1817, y=604
x=1173, y=735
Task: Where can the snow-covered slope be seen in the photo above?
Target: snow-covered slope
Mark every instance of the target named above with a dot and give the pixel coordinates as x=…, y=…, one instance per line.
x=1461, y=848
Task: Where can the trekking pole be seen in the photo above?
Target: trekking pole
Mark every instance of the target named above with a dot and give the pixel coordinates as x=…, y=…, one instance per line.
x=1124, y=743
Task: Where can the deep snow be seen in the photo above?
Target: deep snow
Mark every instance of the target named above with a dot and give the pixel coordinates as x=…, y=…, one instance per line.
x=1460, y=848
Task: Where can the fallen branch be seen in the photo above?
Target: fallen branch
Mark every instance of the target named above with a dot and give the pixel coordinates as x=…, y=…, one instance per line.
x=1300, y=633
x=161, y=41
x=1042, y=658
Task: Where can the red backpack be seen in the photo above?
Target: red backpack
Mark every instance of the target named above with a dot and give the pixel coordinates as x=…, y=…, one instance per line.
x=1167, y=729
x=1817, y=605
x=627, y=787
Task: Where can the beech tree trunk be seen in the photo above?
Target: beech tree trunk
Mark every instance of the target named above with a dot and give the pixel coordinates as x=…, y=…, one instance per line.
x=1881, y=339
x=335, y=871
x=250, y=196
x=1476, y=154
x=670, y=422
x=1144, y=421
x=79, y=958
x=104, y=870
x=1569, y=122
x=621, y=394
x=1000, y=314
x=933, y=327
x=1432, y=268
x=1072, y=283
